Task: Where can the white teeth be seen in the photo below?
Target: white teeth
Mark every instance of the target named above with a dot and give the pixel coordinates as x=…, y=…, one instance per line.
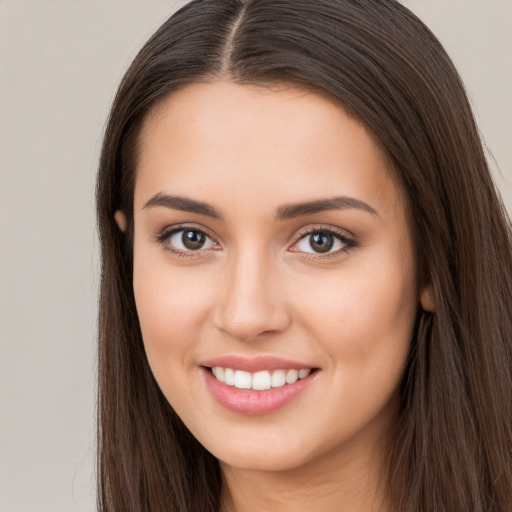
x=261, y=381
x=278, y=378
x=292, y=376
x=219, y=373
x=258, y=381
x=304, y=372
x=243, y=380
x=229, y=377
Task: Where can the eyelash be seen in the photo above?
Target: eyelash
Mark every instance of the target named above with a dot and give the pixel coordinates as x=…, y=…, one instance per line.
x=164, y=237
x=347, y=242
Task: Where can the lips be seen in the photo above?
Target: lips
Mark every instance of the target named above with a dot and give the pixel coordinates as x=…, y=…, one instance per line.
x=254, y=364
x=256, y=386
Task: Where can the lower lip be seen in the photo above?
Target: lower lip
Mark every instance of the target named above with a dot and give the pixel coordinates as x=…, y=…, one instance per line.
x=254, y=403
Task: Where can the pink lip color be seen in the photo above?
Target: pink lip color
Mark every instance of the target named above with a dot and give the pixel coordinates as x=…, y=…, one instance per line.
x=254, y=403
x=254, y=364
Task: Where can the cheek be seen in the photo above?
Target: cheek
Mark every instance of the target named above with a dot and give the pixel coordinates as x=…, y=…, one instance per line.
x=363, y=319
x=172, y=307
x=365, y=327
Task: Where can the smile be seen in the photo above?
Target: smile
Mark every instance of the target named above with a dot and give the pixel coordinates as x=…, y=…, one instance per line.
x=259, y=381
x=256, y=386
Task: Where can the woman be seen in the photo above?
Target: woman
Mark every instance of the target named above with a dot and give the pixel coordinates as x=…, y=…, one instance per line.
x=306, y=270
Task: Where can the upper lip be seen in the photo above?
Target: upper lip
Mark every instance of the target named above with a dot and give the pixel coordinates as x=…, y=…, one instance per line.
x=254, y=364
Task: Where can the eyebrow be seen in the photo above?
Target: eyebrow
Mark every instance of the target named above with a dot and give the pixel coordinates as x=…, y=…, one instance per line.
x=283, y=213
x=184, y=204
x=335, y=203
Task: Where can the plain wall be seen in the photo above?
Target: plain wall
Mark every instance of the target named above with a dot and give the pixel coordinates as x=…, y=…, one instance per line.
x=60, y=64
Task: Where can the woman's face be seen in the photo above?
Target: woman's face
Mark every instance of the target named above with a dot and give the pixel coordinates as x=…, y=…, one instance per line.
x=271, y=244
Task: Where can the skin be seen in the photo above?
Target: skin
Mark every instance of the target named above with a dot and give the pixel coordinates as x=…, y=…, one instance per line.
x=257, y=287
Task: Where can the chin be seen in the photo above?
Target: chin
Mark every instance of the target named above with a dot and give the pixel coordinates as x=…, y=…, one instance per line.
x=267, y=451
x=265, y=460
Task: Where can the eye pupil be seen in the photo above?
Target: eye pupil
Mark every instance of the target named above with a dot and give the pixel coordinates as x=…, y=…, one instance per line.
x=193, y=240
x=321, y=242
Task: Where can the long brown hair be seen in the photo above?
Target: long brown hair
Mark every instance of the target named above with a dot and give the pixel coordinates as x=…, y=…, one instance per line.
x=452, y=448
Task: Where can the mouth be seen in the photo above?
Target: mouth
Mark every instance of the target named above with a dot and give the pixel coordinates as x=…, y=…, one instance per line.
x=259, y=381
x=257, y=386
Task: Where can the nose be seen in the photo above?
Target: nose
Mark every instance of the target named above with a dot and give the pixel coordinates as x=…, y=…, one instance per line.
x=252, y=303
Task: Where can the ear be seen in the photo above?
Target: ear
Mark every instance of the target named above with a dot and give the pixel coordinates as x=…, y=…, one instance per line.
x=120, y=219
x=428, y=299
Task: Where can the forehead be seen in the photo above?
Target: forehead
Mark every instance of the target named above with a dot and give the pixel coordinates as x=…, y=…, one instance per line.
x=222, y=137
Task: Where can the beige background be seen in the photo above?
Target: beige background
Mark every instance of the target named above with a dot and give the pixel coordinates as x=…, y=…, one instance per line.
x=60, y=63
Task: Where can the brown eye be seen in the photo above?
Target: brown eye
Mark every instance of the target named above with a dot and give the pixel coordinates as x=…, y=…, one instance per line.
x=321, y=242
x=188, y=240
x=193, y=240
